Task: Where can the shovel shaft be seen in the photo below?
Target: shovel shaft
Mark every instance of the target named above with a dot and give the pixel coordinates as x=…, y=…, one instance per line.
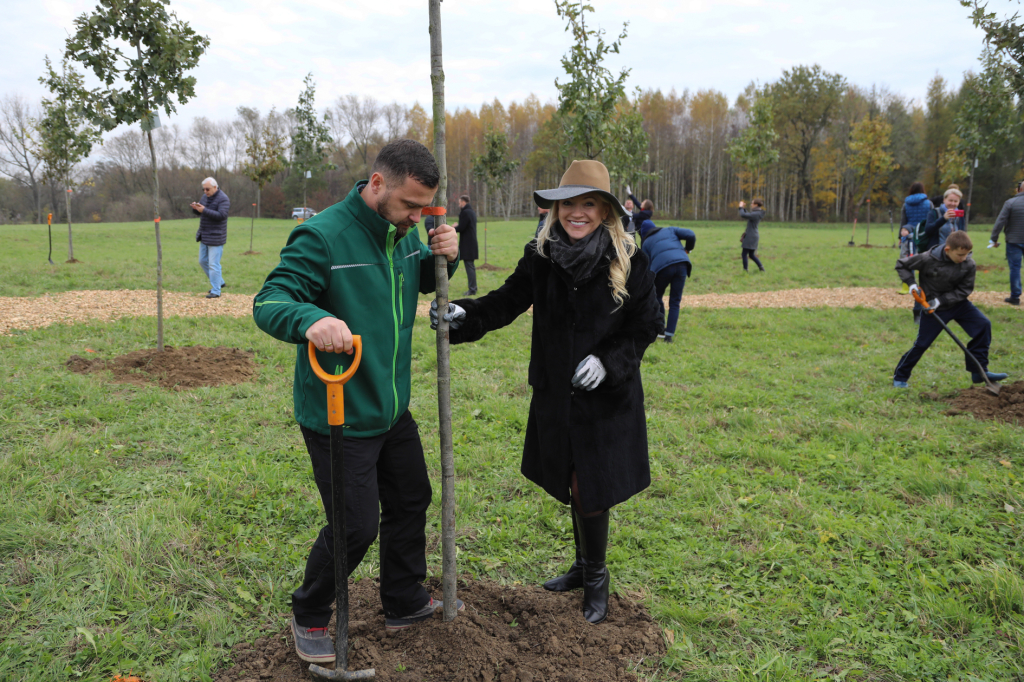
x=340, y=544
x=923, y=300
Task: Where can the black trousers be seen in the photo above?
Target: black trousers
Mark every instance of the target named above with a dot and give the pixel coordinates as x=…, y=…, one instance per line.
x=752, y=254
x=969, y=317
x=386, y=483
x=470, y=274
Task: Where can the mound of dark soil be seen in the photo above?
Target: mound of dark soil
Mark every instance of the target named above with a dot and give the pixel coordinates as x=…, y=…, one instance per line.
x=178, y=368
x=1008, y=406
x=505, y=634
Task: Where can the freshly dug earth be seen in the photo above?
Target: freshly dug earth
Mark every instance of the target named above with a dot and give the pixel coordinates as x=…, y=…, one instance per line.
x=80, y=306
x=1008, y=406
x=178, y=368
x=505, y=634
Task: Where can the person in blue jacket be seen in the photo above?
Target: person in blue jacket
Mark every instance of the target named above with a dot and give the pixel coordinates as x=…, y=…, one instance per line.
x=670, y=263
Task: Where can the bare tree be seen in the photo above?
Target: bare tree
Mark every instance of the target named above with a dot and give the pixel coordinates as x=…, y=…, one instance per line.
x=17, y=141
x=358, y=120
x=395, y=117
x=128, y=157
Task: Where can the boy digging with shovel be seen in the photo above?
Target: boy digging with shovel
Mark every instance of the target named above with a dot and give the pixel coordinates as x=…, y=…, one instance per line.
x=947, y=277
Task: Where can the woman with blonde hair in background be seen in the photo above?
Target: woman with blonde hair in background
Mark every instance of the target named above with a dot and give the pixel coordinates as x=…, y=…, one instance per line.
x=594, y=315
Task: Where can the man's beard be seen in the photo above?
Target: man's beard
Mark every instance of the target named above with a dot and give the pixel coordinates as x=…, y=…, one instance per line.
x=402, y=227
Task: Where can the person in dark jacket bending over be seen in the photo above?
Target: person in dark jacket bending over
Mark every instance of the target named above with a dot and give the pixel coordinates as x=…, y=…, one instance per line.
x=670, y=263
x=212, y=210
x=469, y=250
x=357, y=267
x=594, y=315
x=750, y=238
x=947, y=279
x=1011, y=218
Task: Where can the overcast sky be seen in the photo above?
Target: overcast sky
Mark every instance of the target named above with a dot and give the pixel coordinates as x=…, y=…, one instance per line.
x=261, y=49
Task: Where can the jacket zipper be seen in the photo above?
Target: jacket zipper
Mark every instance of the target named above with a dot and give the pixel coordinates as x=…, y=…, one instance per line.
x=390, y=244
x=401, y=298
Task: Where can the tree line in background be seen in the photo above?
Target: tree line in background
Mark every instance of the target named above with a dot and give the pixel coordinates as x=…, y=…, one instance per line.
x=815, y=146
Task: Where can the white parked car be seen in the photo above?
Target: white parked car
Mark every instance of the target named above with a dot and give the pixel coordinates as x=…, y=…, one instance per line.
x=301, y=213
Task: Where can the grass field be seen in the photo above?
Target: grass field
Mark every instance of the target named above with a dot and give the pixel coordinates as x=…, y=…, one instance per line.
x=805, y=521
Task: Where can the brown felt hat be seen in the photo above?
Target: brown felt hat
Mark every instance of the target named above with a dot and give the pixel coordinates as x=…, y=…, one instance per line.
x=582, y=177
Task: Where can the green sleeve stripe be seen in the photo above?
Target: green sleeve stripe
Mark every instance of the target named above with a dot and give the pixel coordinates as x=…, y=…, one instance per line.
x=259, y=303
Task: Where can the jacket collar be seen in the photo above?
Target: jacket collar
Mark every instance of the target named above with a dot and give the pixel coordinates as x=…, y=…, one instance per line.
x=366, y=216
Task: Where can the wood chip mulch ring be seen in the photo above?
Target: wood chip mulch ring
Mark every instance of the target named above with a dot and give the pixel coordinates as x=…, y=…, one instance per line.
x=80, y=306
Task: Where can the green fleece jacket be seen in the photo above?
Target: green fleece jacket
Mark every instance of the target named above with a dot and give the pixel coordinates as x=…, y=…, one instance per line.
x=344, y=263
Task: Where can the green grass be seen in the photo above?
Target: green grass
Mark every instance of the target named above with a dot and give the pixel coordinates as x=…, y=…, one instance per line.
x=805, y=521
x=123, y=256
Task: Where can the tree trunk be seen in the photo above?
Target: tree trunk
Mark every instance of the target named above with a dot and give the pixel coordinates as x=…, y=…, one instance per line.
x=259, y=198
x=159, y=249
x=67, y=208
x=444, y=388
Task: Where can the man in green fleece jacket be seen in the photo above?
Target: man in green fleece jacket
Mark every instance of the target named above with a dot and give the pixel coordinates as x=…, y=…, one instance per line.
x=357, y=268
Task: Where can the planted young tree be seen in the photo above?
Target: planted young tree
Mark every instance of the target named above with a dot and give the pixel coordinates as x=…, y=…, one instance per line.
x=754, y=148
x=494, y=167
x=66, y=134
x=444, y=382
x=149, y=76
x=872, y=159
x=597, y=119
x=1006, y=36
x=264, y=158
x=311, y=138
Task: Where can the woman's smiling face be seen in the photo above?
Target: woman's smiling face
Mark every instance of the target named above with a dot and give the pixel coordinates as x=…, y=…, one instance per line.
x=582, y=215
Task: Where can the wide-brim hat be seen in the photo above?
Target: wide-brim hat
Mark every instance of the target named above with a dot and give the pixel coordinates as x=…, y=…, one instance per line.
x=582, y=177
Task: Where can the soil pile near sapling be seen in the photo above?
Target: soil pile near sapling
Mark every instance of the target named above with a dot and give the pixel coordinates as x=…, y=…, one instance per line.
x=1008, y=406
x=505, y=634
x=180, y=368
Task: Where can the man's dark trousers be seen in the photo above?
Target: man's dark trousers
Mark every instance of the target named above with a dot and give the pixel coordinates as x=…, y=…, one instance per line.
x=675, y=276
x=470, y=274
x=1014, y=253
x=386, y=478
x=967, y=316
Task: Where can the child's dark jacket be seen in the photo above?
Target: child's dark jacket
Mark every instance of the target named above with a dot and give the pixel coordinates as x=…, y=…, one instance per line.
x=940, y=277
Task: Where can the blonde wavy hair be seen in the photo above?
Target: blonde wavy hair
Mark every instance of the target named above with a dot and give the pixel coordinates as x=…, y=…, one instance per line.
x=625, y=247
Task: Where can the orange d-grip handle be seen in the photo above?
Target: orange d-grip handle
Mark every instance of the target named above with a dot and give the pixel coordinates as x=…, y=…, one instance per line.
x=434, y=210
x=335, y=382
x=923, y=300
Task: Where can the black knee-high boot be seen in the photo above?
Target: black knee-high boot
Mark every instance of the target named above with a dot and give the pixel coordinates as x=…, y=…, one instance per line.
x=573, y=578
x=596, y=579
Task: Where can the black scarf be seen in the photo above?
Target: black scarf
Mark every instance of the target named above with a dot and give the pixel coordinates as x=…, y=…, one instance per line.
x=579, y=259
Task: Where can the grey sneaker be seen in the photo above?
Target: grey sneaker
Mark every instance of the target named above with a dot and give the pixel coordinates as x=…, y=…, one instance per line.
x=421, y=615
x=313, y=645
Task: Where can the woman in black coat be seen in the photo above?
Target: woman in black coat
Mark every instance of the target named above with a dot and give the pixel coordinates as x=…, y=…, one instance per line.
x=594, y=315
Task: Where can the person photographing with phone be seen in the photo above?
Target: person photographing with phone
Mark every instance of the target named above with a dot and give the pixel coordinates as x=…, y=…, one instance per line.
x=945, y=219
x=212, y=234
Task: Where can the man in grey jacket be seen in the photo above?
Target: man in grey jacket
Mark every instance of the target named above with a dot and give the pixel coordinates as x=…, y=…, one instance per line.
x=1011, y=218
x=212, y=234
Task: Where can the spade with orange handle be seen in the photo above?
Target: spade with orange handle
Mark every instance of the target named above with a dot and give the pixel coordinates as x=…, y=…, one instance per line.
x=919, y=296
x=336, y=420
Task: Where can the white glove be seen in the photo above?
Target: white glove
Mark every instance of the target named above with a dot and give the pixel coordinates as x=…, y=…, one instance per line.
x=455, y=316
x=589, y=373
x=628, y=190
x=914, y=288
x=934, y=303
